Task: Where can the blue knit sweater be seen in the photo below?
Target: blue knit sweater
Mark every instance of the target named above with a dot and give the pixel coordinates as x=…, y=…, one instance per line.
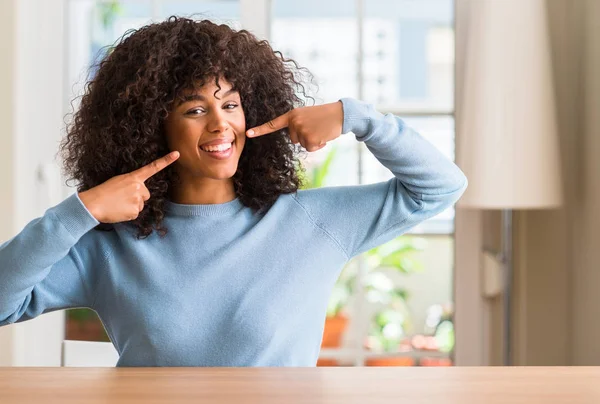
x=226, y=286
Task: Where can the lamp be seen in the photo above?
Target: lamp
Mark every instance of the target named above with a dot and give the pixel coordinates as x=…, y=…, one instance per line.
x=508, y=144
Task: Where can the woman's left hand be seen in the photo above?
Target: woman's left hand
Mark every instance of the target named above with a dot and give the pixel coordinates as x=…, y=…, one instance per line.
x=312, y=127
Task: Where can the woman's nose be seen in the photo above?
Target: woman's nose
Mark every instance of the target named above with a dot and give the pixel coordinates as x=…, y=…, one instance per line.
x=217, y=123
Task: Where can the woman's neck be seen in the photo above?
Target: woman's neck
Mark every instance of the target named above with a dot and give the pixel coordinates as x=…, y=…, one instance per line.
x=203, y=191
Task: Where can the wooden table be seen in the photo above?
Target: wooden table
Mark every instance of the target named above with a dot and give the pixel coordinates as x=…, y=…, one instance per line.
x=301, y=385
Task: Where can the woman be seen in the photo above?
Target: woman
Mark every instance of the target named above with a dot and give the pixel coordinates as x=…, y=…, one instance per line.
x=188, y=234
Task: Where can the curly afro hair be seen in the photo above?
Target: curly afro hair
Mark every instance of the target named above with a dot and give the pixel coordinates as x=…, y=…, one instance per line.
x=119, y=125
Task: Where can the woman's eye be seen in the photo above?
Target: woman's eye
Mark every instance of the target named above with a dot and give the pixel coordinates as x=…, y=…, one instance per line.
x=195, y=111
x=230, y=106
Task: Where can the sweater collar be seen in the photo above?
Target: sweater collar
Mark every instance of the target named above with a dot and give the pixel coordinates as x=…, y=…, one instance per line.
x=218, y=209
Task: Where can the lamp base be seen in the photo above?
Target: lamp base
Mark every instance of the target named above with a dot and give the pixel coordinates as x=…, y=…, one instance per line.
x=507, y=258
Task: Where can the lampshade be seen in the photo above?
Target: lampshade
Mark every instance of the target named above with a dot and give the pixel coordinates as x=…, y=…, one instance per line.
x=508, y=144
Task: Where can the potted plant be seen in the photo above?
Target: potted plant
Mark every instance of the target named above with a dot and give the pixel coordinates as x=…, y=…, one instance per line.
x=392, y=318
x=439, y=334
x=84, y=325
x=387, y=335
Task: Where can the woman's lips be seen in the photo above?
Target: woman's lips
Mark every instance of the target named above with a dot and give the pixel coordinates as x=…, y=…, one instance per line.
x=219, y=155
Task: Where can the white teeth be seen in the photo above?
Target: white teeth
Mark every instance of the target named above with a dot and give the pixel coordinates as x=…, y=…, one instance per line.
x=217, y=148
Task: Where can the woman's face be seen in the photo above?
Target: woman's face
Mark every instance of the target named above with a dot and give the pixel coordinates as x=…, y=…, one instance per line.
x=209, y=130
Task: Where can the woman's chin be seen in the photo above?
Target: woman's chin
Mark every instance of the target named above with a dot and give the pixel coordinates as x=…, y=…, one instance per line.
x=222, y=174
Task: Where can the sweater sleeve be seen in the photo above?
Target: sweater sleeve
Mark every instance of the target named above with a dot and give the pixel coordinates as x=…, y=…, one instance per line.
x=359, y=218
x=44, y=268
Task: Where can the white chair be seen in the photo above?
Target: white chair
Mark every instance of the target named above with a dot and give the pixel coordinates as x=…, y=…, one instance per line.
x=88, y=354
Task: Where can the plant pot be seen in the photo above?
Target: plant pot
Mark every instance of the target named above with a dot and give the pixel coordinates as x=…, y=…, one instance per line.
x=327, y=362
x=394, y=361
x=435, y=362
x=88, y=330
x=334, y=330
x=332, y=336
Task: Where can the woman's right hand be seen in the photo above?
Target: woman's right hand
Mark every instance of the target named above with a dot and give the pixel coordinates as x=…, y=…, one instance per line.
x=122, y=198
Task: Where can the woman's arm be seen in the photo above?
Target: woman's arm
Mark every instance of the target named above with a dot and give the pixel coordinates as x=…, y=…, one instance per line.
x=359, y=218
x=43, y=268
x=46, y=268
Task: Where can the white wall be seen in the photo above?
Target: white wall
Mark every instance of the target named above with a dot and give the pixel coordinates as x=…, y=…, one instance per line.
x=31, y=108
x=7, y=91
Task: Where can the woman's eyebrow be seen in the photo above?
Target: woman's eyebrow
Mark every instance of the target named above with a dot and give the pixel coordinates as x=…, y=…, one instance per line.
x=199, y=97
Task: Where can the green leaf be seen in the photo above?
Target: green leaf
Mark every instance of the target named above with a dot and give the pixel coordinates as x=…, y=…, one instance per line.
x=444, y=336
x=389, y=316
x=320, y=174
x=81, y=315
x=399, y=261
x=401, y=293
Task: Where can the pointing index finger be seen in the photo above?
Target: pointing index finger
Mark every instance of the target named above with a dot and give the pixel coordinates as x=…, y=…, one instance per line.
x=157, y=165
x=273, y=125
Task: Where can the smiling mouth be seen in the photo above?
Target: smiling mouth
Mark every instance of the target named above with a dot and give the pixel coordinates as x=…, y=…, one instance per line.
x=217, y=148
x=220, y=152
